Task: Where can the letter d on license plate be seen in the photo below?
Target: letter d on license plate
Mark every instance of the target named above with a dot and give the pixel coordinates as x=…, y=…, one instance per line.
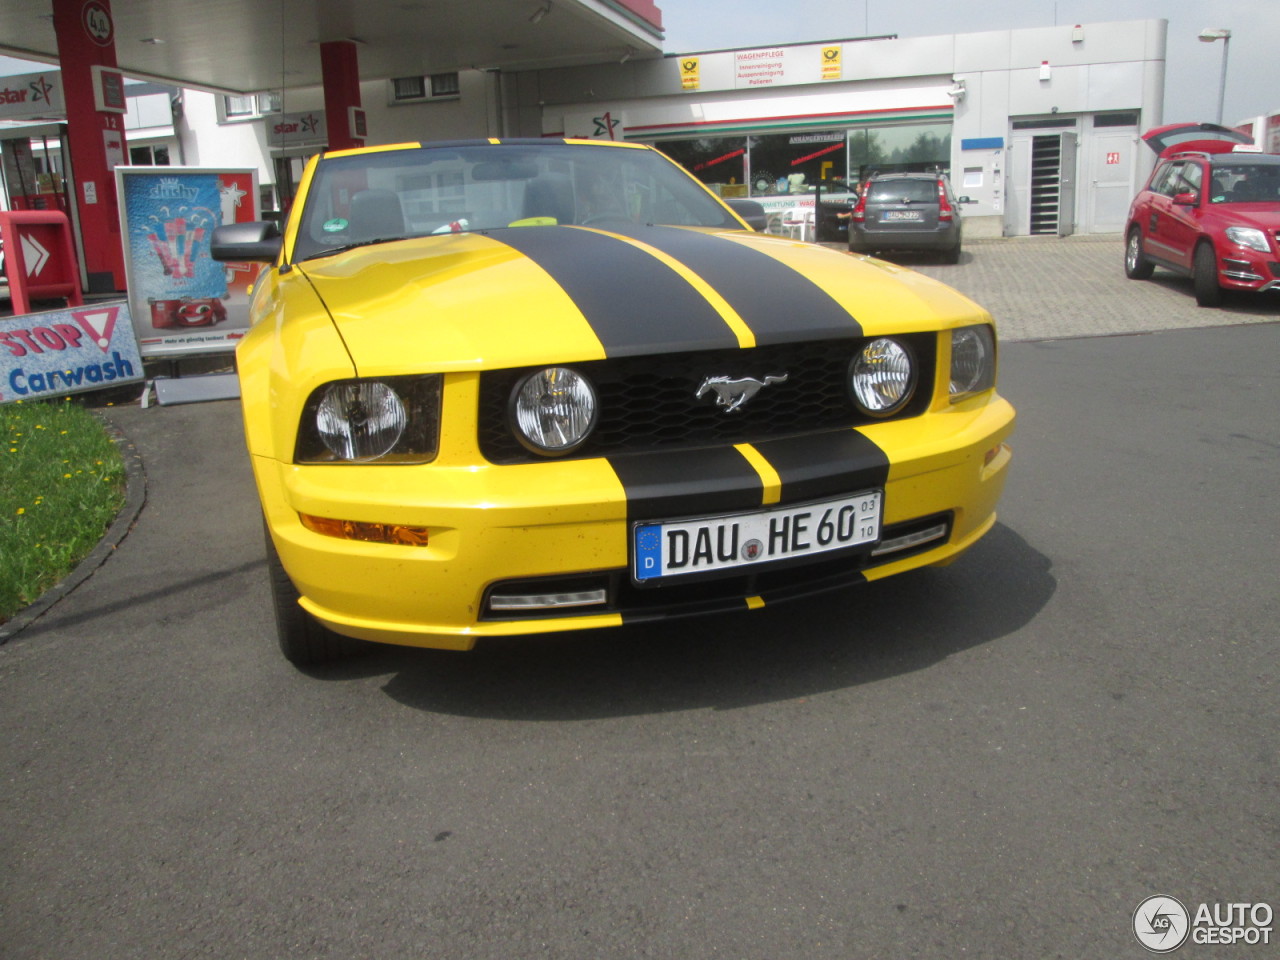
x=683, y=547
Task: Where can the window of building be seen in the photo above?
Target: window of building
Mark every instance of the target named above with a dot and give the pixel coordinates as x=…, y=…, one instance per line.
x=1048, y=123
x=436, y=86
x=249, y=106
x=1116, y=120
x=148, y=156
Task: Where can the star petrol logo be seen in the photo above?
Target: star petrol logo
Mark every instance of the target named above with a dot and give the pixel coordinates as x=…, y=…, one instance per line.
x=40, y=88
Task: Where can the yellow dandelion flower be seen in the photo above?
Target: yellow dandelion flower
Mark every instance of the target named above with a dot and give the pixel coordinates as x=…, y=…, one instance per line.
x=22, y=510
x=66, y=476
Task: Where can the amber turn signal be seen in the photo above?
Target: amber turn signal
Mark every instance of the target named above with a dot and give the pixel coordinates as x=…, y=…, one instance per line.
x=369, y=532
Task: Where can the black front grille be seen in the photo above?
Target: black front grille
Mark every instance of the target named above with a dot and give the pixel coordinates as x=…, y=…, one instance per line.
x=650, y=403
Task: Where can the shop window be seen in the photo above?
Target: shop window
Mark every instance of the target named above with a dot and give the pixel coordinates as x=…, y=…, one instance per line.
x=719, y=162
x=904, y=148
x=786, y=163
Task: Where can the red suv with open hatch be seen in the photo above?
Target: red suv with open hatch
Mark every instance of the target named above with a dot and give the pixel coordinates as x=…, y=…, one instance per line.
x=1210, y=211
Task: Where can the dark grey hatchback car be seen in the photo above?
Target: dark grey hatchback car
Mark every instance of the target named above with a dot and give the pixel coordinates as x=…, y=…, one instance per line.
x=908, y=212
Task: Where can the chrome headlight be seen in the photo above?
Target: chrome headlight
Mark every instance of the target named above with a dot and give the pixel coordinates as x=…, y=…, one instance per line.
x=553, y=410
x=388, y=419
x=973, y=361
x=882, y=377
x=1249, y=237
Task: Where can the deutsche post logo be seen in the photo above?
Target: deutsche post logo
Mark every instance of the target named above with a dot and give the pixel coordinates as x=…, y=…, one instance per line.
x=689, y=73
x=831, y=63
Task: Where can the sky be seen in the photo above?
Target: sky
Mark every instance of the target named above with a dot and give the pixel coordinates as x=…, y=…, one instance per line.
x=1192, y=68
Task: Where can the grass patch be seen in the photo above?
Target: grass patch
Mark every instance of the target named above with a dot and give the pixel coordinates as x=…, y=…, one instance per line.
x=61, y=485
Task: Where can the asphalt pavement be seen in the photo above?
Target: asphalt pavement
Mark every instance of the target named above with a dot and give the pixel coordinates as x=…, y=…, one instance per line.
x=998, y=759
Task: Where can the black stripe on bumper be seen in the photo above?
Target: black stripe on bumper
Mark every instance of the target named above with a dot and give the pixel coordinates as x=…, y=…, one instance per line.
x=825, y=464
x=688, y=483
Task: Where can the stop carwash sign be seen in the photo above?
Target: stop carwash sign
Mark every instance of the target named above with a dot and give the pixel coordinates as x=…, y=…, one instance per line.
x=67, y=351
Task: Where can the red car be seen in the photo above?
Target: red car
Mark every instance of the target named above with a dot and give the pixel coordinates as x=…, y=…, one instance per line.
x=1209, y=211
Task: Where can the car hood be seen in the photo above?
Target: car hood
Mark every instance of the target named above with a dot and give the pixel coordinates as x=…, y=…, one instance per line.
x=1264, y=216
x=552, y=294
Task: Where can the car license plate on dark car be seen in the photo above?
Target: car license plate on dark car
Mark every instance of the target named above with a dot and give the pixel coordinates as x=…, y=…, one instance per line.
x=899, y=215
x=663, y=551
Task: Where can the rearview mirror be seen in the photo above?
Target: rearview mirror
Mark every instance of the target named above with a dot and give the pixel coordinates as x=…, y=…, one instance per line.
x=239, y=242
x=750, y=211
x=1186, y=199
x=496, y=170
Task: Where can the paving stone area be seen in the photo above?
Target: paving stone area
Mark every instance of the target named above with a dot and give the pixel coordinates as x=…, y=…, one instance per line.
x=1048, y=288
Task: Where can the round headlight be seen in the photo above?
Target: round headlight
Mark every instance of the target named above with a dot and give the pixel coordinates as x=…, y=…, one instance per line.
x=882, y=376
x=554, y=410
x=970, y=361
x=360, y=420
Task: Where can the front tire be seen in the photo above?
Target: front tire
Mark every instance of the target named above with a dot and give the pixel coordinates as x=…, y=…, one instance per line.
x=1205, y=277
x=1136, y=266
x=303, y=640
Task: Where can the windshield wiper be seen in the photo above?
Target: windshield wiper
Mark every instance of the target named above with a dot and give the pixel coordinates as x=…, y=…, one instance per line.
x=331, y=251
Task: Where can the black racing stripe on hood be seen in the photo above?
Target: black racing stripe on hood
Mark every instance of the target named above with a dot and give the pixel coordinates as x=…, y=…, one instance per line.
x=633, y=301
x=825, y=464
x=778, y=303
x=688, y=483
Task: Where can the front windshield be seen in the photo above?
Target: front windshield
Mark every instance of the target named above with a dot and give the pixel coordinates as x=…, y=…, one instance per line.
x=1245, y=182
x=369, y=198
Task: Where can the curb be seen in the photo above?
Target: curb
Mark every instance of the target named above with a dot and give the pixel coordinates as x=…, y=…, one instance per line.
x=135, y=498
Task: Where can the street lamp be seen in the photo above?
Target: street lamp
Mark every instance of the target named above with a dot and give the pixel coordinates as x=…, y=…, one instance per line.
x=1208, y=35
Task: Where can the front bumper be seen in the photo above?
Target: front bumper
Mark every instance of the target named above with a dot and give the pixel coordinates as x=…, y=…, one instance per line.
x=866, y=241
x=567, y=524
x=1242, y=270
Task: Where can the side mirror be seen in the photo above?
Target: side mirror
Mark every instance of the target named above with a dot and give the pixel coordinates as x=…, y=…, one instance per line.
x=1186, y=199
x=240, y=242
x=750, y=211
x=963, y=200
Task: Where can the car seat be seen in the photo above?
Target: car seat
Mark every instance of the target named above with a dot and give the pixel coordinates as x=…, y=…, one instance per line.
x=549, y=196
x=376, y=214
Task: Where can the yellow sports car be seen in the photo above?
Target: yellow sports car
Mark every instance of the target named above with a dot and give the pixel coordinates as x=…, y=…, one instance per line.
x=513, y=387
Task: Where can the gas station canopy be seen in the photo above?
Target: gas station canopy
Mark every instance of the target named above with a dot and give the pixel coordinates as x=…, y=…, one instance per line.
x=247, y=46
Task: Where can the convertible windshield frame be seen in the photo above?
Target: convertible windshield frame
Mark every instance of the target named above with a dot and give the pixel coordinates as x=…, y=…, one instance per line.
x=358, y=198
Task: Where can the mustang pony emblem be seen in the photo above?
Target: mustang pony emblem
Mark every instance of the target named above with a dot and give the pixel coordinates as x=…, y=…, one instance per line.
x=733, y=392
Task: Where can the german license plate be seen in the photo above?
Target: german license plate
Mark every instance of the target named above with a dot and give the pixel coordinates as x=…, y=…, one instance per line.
x=888, y=215
x=663, y=551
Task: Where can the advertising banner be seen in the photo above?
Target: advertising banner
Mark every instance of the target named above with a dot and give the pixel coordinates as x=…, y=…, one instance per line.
x=59, y=352
x=182, y=300
x=31, y=95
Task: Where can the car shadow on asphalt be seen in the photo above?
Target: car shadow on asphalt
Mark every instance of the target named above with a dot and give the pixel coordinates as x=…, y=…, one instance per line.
x=799, y=649
x=1233, y=301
